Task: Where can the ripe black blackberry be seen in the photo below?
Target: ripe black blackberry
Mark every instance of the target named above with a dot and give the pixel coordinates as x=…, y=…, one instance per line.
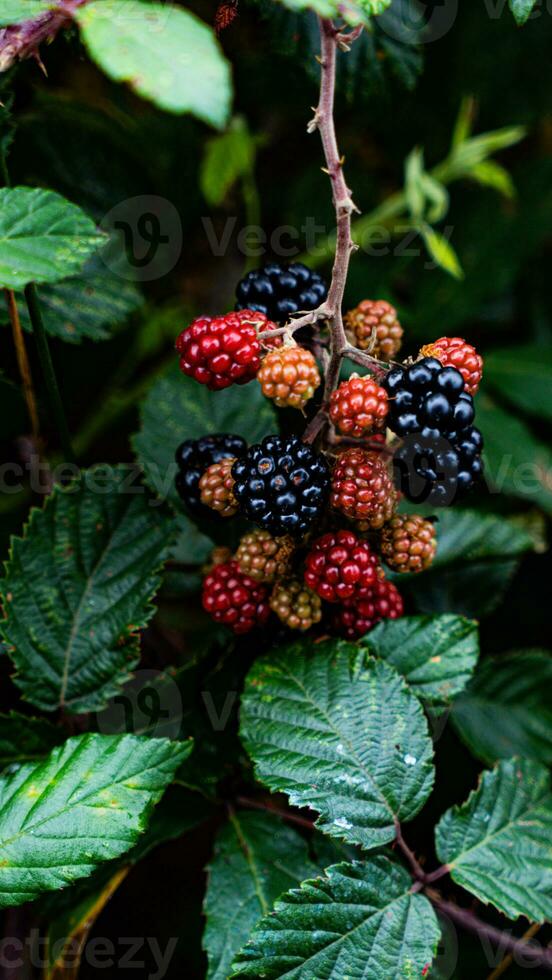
x=281, y=485
x=193, y=457
x=427, y=395
x=278, y=290
x=438, y=469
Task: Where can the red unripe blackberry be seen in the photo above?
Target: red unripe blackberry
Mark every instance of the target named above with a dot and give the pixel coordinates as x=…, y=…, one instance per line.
x=289, y=376
x=264, y=557
x=296, y=606
x=383, y=601
x=340, y=566
x=362, y=487
x=223, y=350
x=235, y=599
x=373, y=326
x=408, y=543
x=358, y=406
x=217, y=488
x=455, y=352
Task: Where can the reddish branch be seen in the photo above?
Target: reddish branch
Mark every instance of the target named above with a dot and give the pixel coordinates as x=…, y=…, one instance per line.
x=504, y=940
x=23, y=40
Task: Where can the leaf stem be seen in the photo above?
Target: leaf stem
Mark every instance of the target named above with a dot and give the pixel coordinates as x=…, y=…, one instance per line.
x=284, y=814
x=504, y=939
x=50, y=380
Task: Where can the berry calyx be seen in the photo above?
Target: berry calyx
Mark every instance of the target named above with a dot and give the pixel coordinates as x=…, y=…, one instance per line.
x=282, y=485
x=455, y=352
x=373, y=325
x=289, y=376
x=216, y=488
x=358, y=406
x=427, y=395
x=263, y=557
x=223, y=350
x=362, y=488
x=279, y=290
x=235, y=599
x=383, y=601
x=340, y=566
x=408, y=543
x=296, y=606
x=193, y=457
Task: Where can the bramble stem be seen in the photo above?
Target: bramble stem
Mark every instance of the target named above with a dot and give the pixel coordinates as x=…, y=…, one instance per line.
x=49, y=373
x=23, y=365
x=504, y=940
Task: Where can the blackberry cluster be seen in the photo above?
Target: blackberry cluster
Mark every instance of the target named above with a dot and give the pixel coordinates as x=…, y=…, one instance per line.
x=327, y=518
x=440, y=457
x=282, y=485
x=193, y=458
x=279, y=290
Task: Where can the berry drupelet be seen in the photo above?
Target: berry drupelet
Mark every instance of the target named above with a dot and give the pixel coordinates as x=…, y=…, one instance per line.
x=373, y=325
x=216, y=487
x=223, y=350
x=263, y=557
x=358, y=406
x=340, y=566
x=383, y=601
x=408, y=543
x=193, y=457
x=296, y=606
x=289, y=376
x=362, y=487
x=438, y=469
x=427, y=395
x=232, y=598
x=279, y=290
x=455, y=352
x=282, y=485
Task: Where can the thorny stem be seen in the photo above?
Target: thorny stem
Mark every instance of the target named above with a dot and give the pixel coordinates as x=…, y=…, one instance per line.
x=331, y=310
x=284, y=814
x=504, y=940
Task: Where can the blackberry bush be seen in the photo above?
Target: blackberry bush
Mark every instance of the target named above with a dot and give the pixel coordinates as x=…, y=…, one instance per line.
x=290, y=605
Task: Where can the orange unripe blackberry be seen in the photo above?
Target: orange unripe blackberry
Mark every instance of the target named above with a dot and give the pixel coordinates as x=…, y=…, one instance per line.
x=455, y=352
x=373, y=325
x=263, y=557
x=217, y=488
x=297, y=606
x=362, y=487
x=289, y=376
x=408, y=543
x=358, y=406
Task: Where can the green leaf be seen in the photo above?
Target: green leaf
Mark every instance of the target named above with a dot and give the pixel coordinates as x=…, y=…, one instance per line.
x=227, y=158
x=516, y=462
x=179, y=408
x=78, y=588
x=165, y=53
x=441, y=251
x=256, y=859
x=522, y=10
x=84, y=307
x=507, y=709
x=435, y=654
x=43, y=237
x=312, y=721
x=492, y=174
x=477, y=555
x=88, y=802
x=17, y=11
x=497, y=845
x=23, y=738
x=522, y=376
x=359, y=920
